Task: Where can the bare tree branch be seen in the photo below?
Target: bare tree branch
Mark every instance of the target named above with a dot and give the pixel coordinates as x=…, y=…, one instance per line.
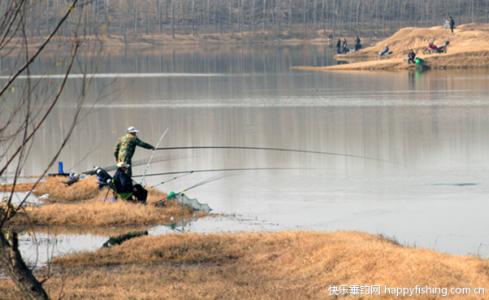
x=40, y=49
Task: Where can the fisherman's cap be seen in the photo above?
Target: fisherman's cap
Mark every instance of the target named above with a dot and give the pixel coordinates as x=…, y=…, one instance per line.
x=122, y=164
x=132, y=130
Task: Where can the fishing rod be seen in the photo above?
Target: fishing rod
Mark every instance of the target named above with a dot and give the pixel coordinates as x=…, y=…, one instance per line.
x=271, y=149
x=223, y=170
x=112, y=167
x=152, y=154
x=172, y=195
x=85, y=156
x=135, y=163
x=206, y=181
x=173, y=178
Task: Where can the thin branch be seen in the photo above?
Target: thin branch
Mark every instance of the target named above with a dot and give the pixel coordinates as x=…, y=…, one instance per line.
x=9, y=215
x=46, y=114
x=40, y=49
x=26, y=122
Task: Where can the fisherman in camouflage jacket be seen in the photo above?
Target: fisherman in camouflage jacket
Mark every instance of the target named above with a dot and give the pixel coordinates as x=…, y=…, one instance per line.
x=124, y=150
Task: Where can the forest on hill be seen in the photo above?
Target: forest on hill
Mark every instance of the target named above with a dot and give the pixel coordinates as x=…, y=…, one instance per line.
x=306, y=18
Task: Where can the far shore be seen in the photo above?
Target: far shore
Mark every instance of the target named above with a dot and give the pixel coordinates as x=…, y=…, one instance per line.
x=153, y=44
x=468, y=48
x=157, y=44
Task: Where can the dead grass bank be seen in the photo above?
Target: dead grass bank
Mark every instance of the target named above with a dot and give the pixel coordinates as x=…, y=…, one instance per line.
x=286, y=265
x=100, y=213
x=20, y=187
x=84, y=189
x=54, y=186
x=84, y=205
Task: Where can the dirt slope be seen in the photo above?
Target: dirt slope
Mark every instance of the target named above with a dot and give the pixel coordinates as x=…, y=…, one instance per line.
x=469, y=48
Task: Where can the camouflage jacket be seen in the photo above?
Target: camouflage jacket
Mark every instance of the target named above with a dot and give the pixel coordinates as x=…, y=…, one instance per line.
x=124, y=150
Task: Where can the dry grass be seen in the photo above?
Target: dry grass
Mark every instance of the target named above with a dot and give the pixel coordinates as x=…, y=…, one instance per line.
x=84, y=205
x=59, y=192
x=469, y=48
x=19, y=187
x=287, y=265
x=99, y=213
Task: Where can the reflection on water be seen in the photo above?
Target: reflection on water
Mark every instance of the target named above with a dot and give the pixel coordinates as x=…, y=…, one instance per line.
x=432, y=127
x=37, y=249
x=235, y=59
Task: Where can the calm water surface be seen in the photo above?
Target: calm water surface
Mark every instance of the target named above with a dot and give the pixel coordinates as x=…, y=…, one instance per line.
x=432, y=128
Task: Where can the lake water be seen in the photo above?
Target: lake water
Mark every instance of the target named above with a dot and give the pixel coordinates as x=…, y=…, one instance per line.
x=432, y=128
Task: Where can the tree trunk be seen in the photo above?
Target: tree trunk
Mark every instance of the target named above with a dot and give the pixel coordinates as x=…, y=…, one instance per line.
x=172, y=18
x=253, y=15
x=193, y=17
x=240, y=16
x=304, y=18
x=15, y=267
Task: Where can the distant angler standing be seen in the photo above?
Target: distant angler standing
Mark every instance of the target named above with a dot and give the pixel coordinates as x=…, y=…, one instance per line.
x=452, y=23
x=126, y=146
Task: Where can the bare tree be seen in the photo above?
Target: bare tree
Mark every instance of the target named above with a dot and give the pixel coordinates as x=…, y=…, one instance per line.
x=22, y=118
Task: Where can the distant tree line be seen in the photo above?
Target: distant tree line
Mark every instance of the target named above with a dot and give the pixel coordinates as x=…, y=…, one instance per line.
x=306, y=17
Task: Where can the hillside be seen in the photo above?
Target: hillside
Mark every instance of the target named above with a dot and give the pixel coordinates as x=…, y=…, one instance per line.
x=469, y=48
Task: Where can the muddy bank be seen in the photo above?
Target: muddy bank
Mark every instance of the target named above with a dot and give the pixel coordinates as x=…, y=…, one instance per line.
x=468, y=48
x=255, y=265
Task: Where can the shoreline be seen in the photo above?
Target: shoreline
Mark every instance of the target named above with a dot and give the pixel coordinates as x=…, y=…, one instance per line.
x=154, y=44
x=115, y=45
x=83, y=206
x=468, y=48
x=250, y=265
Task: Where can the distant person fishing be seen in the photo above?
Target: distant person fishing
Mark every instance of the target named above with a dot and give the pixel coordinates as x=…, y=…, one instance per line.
x=452, y=23
x=385, y=52
x=358, y=43
x=342, y=46
x=126, y=146
x=411, y=57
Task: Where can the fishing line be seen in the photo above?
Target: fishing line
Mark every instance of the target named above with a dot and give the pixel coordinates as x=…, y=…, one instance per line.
x=173, y=178
x=209, y=180
x=135, y=163
x=86, y=156
x=152, y=154
x=224, y=170
x=273, y=149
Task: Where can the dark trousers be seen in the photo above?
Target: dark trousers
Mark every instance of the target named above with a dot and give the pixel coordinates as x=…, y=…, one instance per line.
x=140, y=193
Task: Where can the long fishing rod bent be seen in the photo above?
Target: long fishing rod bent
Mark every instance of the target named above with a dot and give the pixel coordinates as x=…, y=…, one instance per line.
x=223, y=170
x=152, y=154
x=271, y=149
x=206, y=181
x=138, y=162
x=172, y=179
